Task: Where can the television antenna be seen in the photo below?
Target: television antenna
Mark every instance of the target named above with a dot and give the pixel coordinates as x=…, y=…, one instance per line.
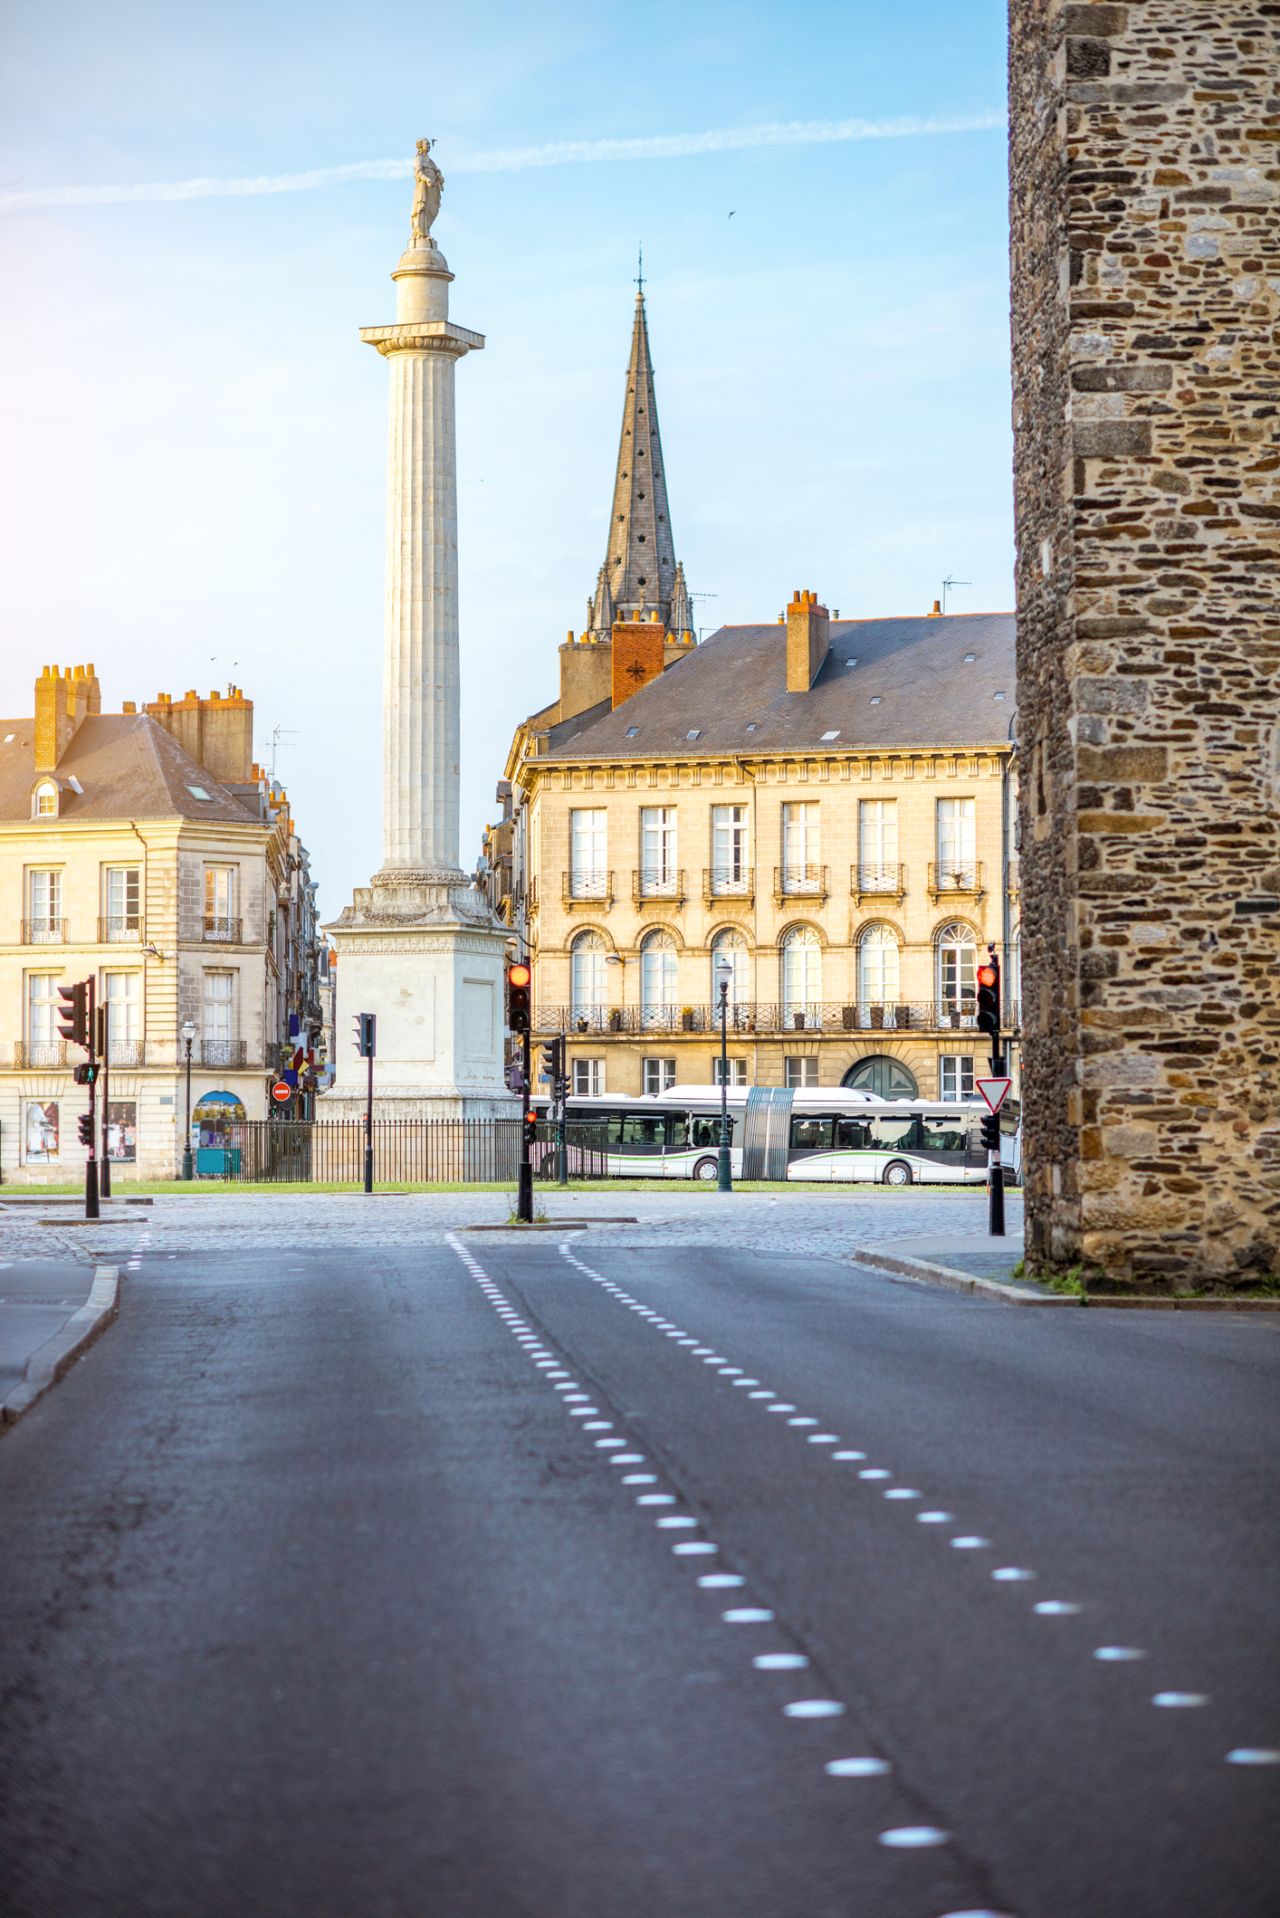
x=278, y=733
x=948, y=583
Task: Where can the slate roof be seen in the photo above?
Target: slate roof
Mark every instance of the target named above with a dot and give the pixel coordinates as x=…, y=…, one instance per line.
x=129, y=767
x=884, y=683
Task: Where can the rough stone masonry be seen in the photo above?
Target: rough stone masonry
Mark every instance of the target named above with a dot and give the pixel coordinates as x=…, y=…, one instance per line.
x=1145, y=217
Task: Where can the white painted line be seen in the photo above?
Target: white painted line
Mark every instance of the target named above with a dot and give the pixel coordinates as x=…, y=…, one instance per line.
x=781, y=1406
x=1253, y=1755
x=1118, y=1654
x=598, y=1425
x=1056, y=1608
x=848, y=1455
x=902, y=1491
x=1180, y=1701
x=779, y=1661
x=857, y=1767
x=622, y=1458
x=639, y=1478
x=814, y=1708
x=914, y=1837
x=655, y=1498
x=674, y=1524
x=717, y=1581
x=692, y=1548
x=605, y=1445
x=1012, y=1575
x=875, y=1471
x=970, y=1543
x=747, y=1615
x=934, y=1518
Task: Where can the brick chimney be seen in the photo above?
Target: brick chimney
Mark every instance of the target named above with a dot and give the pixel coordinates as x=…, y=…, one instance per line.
x=217, y=732
x=63, y=700
x=808, y=637
x=639, y=655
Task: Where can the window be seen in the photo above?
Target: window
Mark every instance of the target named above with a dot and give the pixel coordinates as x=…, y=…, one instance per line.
x=853, y=1135
x=588, y=1078
x=827, y=737
x=799, y=1070
x=956, y=843
x=40, y=1132
x=730, y=948
x=703, y=1130
x=44, y=908
x=940, y=1133
x=588, y=855
x=219, y=902
x=657, y=1074
x=800, y=869
x=658, y=850
x=122, y=1129
x=957, y=950
x=658, y=965
x=811, y=1135
x=218, y=1009
x=44, y=1047
x=898, y=1133
x=735, y=1073
x=643, y=1132
x=878, y=976
x=122, y=997
x=887, y=1078
x=955, y=1076
x=586, y=980
x=121, y=902
x=198, y=792
x=878, y=845
x=730, y=856
x=44, y=804
x=802, y=977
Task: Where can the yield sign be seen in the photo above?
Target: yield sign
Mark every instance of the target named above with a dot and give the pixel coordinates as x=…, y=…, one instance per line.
x=994, y=1091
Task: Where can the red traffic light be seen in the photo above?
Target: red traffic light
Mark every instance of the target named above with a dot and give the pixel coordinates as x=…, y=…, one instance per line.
x=988, y=975
x=519, y=974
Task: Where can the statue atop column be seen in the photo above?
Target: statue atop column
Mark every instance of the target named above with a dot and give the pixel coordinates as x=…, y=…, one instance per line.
x=428, y=185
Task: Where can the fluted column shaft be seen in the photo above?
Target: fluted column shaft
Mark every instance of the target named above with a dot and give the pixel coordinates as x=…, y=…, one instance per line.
x=420, y=671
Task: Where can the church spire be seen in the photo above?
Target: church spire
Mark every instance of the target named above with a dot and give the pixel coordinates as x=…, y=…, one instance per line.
x=639, y=577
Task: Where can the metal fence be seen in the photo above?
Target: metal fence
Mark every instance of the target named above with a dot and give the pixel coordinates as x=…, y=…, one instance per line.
x=405, y=1152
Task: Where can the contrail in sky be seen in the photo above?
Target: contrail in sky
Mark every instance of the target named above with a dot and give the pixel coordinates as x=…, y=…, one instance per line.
x=662, y=146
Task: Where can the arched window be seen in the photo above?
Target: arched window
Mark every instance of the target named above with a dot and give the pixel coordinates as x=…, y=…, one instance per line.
x=731, y=946
x=802, y=977
x=878, y=977
x=956, y=957
x=44, y=800
x=658, y=980
x=887, y=1078
x=586, y=980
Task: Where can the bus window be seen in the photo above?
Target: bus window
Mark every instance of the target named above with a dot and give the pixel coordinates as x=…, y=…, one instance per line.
x=941, y=1133
x=705, y=1131
x=853, y=1135
x=634, y=1131
x=897, y=1133
x=811, y=1135
x=677, y=1131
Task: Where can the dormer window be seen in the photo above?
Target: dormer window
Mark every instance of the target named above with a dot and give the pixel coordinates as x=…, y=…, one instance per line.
x=44, y=800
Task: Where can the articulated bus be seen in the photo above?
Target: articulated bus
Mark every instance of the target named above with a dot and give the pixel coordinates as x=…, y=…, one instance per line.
x=779, y=1132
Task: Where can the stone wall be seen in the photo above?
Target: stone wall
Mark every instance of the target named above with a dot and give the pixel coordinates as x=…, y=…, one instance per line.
x=1145, y=216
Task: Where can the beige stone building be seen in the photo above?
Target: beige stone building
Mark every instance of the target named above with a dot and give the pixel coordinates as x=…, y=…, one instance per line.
x=825, y=805
x=146, y=850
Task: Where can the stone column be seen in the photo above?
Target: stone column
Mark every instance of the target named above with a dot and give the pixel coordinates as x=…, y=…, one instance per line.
x=420, y=947
x=1145, y=232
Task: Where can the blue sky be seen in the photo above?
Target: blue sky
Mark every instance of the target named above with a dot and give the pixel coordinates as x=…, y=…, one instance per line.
x=195, y=437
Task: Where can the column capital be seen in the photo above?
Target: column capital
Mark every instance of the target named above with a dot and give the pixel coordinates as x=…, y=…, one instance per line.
x=423, y=336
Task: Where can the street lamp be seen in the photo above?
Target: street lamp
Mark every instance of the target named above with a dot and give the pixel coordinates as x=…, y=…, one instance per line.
x=188, y=1040
x=724, y=978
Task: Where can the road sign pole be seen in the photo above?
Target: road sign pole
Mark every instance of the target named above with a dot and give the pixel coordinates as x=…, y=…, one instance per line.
x=995, y=1170
x=104, y=1047
x=368, y=1130
x=562, y=1127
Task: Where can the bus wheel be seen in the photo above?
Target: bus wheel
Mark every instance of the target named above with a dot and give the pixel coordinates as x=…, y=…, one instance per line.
x=707, y=1169
x=899, y=1173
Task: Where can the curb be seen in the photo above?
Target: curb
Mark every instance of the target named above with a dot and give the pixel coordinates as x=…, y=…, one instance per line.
x=58, y=1354
x=926, y=1273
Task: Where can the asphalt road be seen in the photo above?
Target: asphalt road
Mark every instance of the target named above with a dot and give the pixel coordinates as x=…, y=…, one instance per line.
x=329, y=1591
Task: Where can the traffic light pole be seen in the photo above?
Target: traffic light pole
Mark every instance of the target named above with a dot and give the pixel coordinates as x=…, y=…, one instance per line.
x=995, y=1169
x=104, y=1047
x=524, y=1173
x=368, y=1129
x=562, y=1125
x=91, y=1209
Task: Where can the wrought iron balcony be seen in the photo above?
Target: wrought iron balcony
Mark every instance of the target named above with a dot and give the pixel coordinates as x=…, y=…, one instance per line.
x=657, y=883
x=870, y=880
x=126, y=1052
x=586, y=885
x=799, y=882
x=220, y=930
x=44, y=932
x=764, y=1017
x=120, y=928
x=40, y=1052
x=960, y=881
x=224, y=1052
x=736, y=884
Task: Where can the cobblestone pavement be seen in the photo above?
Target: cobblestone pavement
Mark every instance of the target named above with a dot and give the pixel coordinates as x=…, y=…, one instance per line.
x=828, y=1224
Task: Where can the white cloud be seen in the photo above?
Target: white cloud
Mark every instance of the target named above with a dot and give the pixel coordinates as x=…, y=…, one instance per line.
x=668, y=146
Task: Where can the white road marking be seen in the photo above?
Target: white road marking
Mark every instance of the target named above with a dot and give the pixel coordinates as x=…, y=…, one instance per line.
x=824, y=1438
x=672, y=1524
x=875, y=1471
x=779, y=1661
x=970, y=1543
x=914, y=1837
x=1056, y=1608
x=781, y=1406
x=1011, y=1574
x=639, y=1478
x=1118, y=1654
x=747, y=1615
x=605, y=1444
x=802, y=1420
x=857, y=1767
x=655, y=1498
x=622, y=1458
x=848, y=1455
x=1179, y=1701
x=814, y=1708
x=747, y=1382
x=1253, y=1755
x=718, y=1580
x=694, y=1548
x=934, y=1518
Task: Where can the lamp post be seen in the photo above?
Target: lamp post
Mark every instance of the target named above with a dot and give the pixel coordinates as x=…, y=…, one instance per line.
x=724, y=1175
x=188, y=1040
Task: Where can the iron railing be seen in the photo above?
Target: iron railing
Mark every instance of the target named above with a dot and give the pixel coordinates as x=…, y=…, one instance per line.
x=955, y=879
x=224, y=1052
x=40, y=1052
x=728, y=882
x=586, y=886
x=44, y=932
x=799, y=882
x=221, y=930
x=754, y=1015
x=872, y=881
x=118, y=928
x=126, y=1052
x=405, y=1151
x=652, y=882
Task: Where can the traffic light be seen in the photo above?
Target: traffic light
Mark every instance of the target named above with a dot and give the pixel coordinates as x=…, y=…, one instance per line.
x=553, y=1062
x=989, y=995
x=530, y=1126
x=365, y=1026
x=84, y=1126
x=991, y=1132
x=87, y=1075
x=74, y=1013
x=519, y=988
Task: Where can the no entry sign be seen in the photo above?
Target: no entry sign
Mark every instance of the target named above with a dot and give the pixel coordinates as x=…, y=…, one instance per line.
x=281, y=1093
x=994, y=1091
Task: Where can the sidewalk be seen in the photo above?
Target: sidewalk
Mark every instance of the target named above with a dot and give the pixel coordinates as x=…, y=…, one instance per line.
x=37, y=1297
x=962, y=1261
